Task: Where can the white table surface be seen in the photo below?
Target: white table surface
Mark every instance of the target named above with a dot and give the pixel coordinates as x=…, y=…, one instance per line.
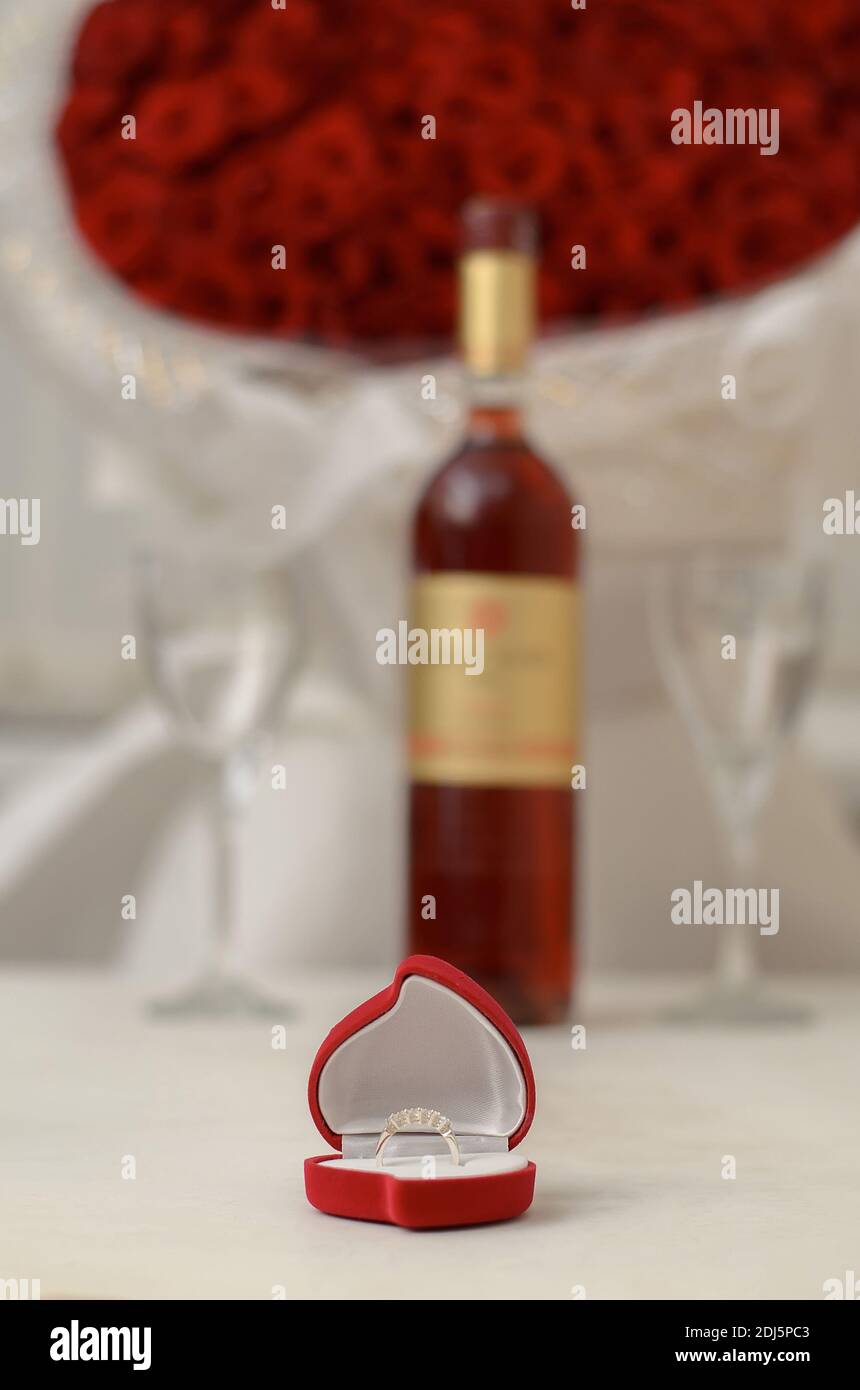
x=629, y=1141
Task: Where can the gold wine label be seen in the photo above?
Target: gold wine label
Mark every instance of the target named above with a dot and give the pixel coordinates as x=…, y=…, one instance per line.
x=513, y=722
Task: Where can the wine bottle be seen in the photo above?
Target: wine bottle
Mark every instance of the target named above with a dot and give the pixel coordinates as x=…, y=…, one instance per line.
x=491, y=878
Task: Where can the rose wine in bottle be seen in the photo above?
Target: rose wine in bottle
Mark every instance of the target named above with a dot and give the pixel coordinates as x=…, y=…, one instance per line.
x=492, y=837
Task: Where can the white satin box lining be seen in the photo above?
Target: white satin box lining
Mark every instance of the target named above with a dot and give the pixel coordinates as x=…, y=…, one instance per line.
x=432, y=1049
x=474, y=1165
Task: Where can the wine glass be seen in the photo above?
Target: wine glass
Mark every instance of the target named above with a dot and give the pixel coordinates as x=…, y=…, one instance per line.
x=738, y=712
x=223, y=639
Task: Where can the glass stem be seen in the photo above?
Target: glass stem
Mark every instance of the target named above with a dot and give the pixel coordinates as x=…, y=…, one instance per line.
x=223, y=870
x=735, y=957
x=231, y=789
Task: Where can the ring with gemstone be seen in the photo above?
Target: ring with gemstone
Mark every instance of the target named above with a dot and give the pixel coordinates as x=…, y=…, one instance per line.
x=420, y=1118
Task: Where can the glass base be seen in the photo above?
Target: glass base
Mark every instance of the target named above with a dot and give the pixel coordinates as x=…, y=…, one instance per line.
x=220, y=996
x=737, y=1005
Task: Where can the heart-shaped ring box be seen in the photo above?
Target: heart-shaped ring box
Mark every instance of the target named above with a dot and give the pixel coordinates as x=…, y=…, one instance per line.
x=433, y=1039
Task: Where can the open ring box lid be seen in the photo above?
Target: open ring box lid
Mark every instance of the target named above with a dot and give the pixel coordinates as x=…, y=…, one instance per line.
x=433, y=1039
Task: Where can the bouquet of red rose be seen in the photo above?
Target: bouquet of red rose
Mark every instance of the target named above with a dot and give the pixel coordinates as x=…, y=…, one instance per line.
x=298, y=168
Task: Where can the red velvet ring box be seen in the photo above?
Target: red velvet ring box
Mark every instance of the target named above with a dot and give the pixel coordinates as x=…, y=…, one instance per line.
x=431, y=1039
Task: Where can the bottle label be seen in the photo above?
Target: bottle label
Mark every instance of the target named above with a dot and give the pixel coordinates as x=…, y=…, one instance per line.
x=514, y=721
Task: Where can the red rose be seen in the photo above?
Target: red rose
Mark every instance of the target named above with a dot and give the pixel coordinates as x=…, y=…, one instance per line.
x=190, y=41
x=668, y=175
x=524, y=161
x=345, y=261
x=219, y=13
x=837, y=189
x=88, y=112
x=281, y=303
x=283, y=38
x=464, y=116
x=798, y=100
x=437, y=242
x=250, y=200
x=181, y=121
x=250, y=177
x=194, y=211
x=157, y=284
x=826, y=19
x=389, y=41
x=123, y=220
x=768, y=230
x=444, y=57
x=380, y=313
x=118, y=38
x=334, y=146
x=394, y=106
x=256, y=98
x=504, y=75
x=92, y=165
x=216, y=293
x=328, y=168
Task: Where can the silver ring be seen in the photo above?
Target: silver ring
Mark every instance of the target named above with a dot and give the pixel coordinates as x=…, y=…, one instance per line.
x=423, y=1119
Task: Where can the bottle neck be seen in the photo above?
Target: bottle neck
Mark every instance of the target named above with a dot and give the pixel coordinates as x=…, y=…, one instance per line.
x=495, y=407
x=497, y=307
